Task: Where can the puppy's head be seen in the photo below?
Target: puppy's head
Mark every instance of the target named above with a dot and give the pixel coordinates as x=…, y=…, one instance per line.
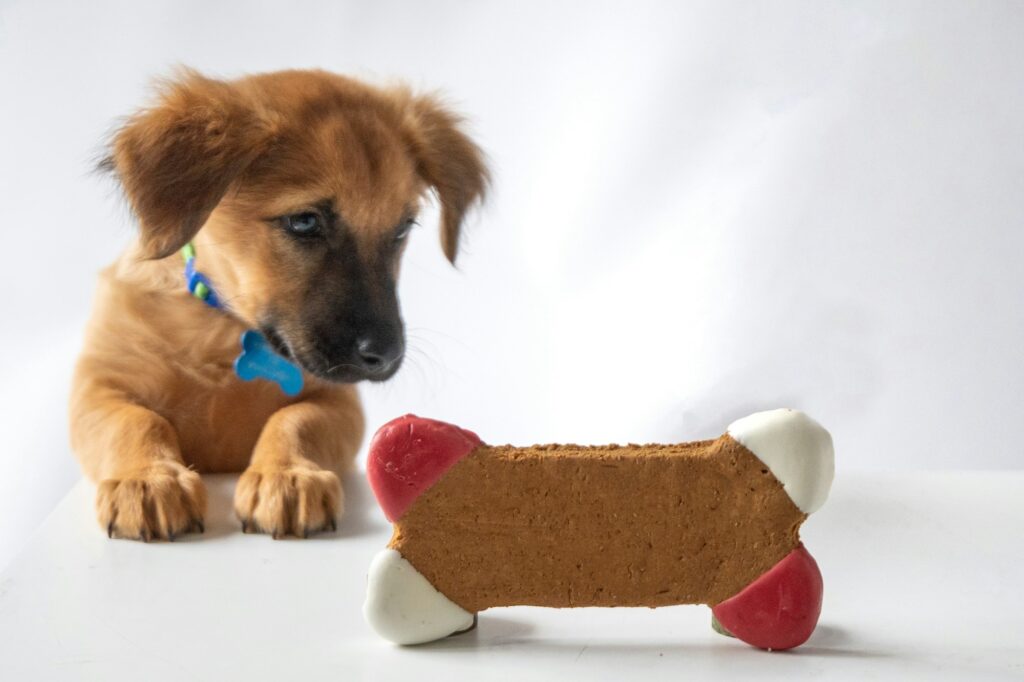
x=299, y=189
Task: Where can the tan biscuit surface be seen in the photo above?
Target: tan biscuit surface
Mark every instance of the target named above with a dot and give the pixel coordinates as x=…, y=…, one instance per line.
x=565, y=525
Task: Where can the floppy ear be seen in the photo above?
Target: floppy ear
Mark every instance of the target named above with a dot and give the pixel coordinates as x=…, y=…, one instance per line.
x=177, y=158
x=449, y=162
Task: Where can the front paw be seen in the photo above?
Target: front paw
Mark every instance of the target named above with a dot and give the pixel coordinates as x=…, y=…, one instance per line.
x=162, y=500
x=297, y=500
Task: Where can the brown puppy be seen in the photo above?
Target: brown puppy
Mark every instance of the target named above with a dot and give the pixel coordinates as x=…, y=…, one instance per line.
x=297, y=189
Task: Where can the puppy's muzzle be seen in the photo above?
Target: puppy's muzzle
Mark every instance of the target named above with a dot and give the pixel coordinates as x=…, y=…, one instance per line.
x=378, y=354
x=362, y=352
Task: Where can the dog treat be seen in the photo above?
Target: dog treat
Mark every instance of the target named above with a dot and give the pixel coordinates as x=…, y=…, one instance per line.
x=711, y=522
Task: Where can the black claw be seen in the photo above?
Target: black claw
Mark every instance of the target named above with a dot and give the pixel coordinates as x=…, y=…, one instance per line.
x=245, y=526
x=334, y=525
x=201, y=526
x=276, y=534
x=305, y=533
x=110, y=529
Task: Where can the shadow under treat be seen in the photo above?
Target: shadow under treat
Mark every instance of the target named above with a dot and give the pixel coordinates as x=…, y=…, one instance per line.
x=493, y=631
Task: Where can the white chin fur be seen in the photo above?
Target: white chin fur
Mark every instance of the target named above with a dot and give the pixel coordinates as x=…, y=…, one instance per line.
x=797, y=450
x=403, y=607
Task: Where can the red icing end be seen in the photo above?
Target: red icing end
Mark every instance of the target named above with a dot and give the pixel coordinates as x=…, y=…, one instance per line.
x=410, y=454
x=780, y=609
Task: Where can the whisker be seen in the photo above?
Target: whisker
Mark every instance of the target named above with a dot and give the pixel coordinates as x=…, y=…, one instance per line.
x=414, y=331
x=343, y=364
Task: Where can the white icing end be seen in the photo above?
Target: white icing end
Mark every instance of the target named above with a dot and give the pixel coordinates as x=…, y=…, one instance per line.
x=797, y=450
x=402, y=605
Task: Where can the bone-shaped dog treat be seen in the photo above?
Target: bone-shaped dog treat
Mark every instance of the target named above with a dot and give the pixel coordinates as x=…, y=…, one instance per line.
x=711, y=522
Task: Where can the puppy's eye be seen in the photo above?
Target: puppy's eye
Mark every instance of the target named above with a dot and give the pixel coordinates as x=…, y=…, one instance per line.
x=404, y=229
x=303, y=224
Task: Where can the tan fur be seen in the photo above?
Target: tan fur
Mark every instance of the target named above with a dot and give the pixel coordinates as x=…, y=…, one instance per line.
x=155, y=398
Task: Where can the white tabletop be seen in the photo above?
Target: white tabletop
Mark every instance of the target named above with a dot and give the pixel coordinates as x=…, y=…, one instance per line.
x=922, y=581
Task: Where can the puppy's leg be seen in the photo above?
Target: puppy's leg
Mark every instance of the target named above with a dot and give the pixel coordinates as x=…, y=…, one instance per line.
x=144, y=488
x=291, y=485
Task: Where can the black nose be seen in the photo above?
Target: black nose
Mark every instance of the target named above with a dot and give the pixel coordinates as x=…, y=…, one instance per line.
x=376, y=355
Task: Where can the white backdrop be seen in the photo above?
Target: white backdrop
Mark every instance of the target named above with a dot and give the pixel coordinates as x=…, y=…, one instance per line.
x=699, y=210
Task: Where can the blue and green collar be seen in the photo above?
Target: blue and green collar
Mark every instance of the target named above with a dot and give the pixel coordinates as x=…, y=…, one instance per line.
x=198, y=284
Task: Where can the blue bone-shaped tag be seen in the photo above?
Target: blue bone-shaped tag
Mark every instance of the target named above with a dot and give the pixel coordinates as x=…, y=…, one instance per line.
x=259, y=361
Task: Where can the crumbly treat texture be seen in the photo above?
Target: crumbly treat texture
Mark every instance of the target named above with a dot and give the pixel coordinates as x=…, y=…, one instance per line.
x=568, y=526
